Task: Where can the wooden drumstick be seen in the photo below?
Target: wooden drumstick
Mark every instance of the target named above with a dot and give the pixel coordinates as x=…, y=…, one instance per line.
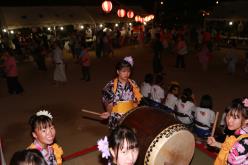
x=215, y=123
x=91, y=112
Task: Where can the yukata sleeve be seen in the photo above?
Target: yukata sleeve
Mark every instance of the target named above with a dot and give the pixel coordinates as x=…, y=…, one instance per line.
x=107, y=93
x=238, y=155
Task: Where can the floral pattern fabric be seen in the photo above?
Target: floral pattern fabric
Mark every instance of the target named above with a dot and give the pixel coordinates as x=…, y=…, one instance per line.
x=124, y=92
x=238, y=154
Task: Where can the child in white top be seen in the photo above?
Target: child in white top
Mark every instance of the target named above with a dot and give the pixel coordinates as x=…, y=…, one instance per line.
x=204, y=117
x=157, y=92
x=185, y=107
x=172, y=96
x=147, y=85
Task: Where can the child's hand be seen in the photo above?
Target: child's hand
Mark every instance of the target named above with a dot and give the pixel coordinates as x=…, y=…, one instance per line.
x=212, y=142
x=105, y=115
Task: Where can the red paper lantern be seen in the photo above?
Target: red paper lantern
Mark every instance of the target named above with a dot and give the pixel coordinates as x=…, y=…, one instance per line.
x=137, y=18
x=130, y=14
x=121, y=13
x=107, y=6
x=141, y=20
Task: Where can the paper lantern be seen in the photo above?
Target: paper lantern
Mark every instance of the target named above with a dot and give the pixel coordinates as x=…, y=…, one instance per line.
x=107, y=6
x=147, y=19
x=137, y=18
x=121, y=13
x=141, y=20
x=151, y=16
x=130, y=14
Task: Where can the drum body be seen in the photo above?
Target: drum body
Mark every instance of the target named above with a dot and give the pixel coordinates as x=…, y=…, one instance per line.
x=162, y=139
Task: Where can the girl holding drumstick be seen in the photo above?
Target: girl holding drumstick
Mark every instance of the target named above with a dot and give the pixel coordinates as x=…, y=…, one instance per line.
x=121, y=94
x=234, y=150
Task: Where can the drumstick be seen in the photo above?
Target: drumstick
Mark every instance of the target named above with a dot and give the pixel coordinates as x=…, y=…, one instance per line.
x=91, y=112
x=215, y=123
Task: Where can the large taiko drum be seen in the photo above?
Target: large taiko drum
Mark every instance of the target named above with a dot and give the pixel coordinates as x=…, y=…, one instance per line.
x=163, y=140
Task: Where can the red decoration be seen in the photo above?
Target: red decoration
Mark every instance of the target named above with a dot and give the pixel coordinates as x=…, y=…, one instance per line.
x=130, y=14
x=107, y=6
x=141, y=20
x=121, y=13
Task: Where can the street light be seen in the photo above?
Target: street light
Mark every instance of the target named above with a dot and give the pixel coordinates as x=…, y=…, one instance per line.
x=161, y=2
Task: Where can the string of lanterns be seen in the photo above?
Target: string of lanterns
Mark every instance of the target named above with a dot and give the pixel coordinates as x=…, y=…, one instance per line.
x=107, y=7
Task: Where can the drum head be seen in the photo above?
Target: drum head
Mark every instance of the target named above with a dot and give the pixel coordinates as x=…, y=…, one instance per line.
x=173, y=146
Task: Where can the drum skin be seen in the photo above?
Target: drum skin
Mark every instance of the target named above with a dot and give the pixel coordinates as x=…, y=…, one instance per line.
x=163, y=140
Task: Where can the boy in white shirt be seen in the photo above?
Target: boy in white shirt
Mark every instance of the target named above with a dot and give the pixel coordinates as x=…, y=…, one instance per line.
x=147, y=85
x=172, y=97
x=204, y=117
x=157, y=92
x=185, y=107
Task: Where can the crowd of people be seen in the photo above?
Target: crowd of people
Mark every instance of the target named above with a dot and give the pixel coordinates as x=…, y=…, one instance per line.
x=122, y=94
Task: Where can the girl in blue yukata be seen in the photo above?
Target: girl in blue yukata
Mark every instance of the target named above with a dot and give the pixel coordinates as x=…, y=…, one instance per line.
x=121, y=94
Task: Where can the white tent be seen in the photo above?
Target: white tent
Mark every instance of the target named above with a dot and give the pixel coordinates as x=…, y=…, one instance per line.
x=18, y=17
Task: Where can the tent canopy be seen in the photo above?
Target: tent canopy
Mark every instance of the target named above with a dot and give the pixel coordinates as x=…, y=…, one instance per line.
x=19, y=17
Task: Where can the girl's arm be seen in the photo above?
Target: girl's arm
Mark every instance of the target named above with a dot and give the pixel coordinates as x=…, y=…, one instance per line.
x=212, y=142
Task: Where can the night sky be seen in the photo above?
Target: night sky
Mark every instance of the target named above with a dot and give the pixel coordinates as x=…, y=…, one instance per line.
x=147, y=4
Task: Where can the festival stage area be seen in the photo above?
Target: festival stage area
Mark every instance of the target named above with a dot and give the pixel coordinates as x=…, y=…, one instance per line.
x=75, y=131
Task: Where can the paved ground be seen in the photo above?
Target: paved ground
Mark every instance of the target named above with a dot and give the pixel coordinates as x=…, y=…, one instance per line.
x=76, y=132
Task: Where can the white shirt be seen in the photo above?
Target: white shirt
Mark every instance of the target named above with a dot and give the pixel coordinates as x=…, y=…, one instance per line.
x=205, y=116
x=186, y=108
x=145, y=89
x=223, y=119
x=171, y=101
x=157, y=93
x=58, y=55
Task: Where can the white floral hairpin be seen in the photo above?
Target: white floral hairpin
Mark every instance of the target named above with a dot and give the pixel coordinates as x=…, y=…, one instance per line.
x=103, y=146
x=129, y=59
x=44, y=113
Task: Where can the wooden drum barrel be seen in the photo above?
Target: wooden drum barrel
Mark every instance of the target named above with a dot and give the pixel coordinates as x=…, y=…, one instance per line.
x=162, y=139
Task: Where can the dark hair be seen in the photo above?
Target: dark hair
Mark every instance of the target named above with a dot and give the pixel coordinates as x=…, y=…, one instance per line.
x=206, y=102
x=39, y=122
x=119, y=135
x=174, y=87
x=28, y=157
x=159, y=79
x=238, y=108
x=149, y=78
x=123, y=64
x=186, y=95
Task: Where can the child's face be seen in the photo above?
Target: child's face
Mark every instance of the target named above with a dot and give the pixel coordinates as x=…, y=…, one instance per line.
x=126, y=156
x=234, y=122
x=124, y=73
x=45, y=135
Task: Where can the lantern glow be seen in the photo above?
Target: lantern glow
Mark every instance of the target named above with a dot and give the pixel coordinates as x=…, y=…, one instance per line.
x=121, y=13
x=130, y=14
x=107, y=6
